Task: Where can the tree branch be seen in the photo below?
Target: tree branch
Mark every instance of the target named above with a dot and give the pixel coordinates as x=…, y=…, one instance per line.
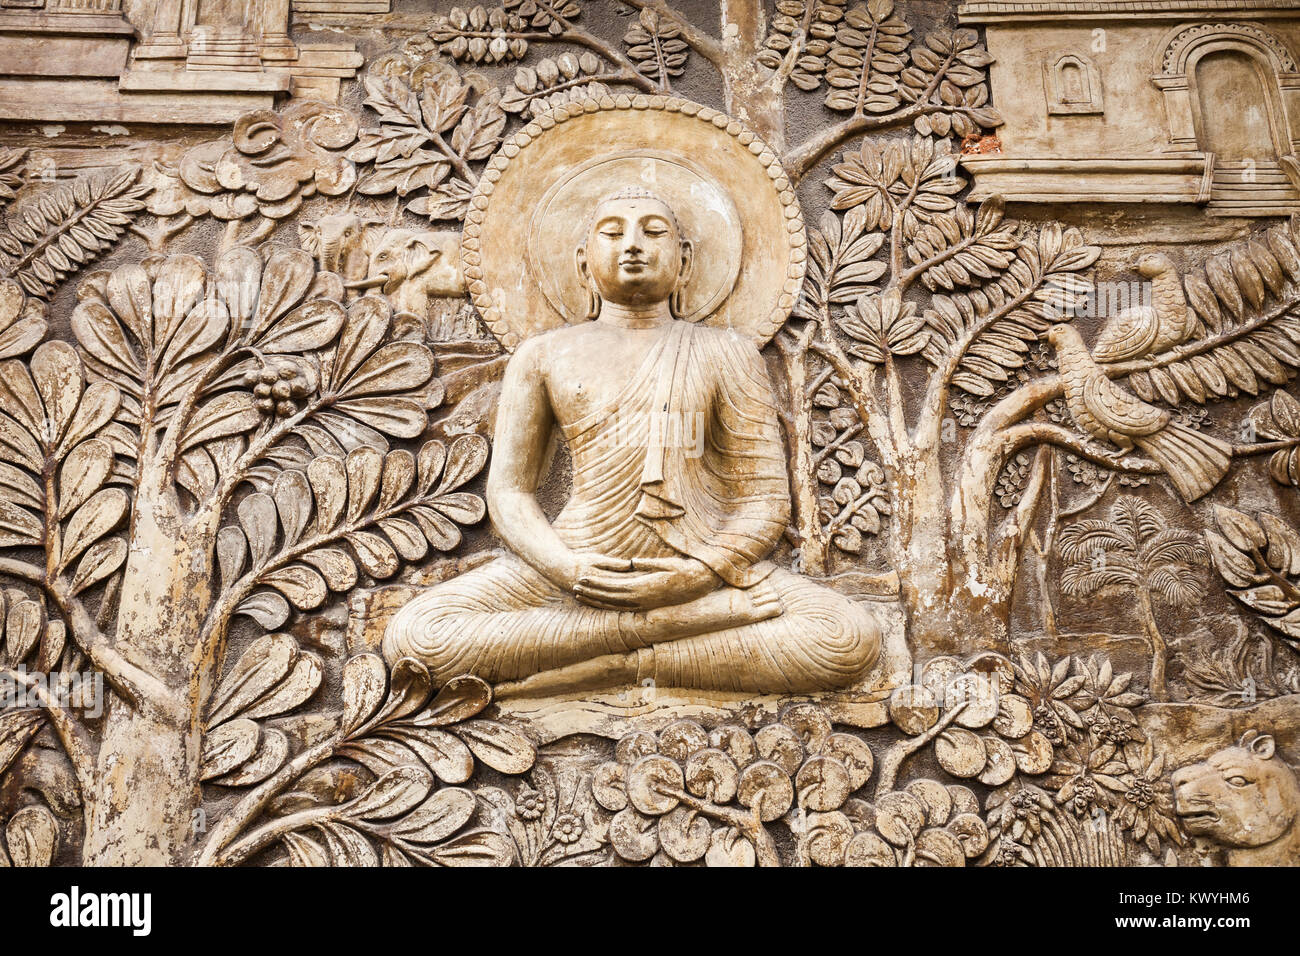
x=800, y=160
x=72, y=735
x=809, y=153
x=1033, y=433
x=863, y=395
x=134, y=684
x=706, y=45
x=253, y=802
x=138, y=687
x=1008, y=547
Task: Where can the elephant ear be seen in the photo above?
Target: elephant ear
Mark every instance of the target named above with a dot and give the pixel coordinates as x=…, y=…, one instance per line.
x=1262, y=746
x=309, y=238
x=372, y=232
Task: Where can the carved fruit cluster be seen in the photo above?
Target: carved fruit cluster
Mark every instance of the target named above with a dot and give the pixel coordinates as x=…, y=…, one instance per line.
x=280, y=385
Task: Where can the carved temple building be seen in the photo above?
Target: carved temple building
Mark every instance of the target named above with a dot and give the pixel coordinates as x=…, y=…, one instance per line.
x=1146, y=101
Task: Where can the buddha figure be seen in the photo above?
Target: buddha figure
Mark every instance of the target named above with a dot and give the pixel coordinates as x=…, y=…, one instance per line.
x=655, y=568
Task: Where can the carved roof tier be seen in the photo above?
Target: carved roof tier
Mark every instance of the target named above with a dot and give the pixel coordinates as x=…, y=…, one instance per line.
x=992, y=11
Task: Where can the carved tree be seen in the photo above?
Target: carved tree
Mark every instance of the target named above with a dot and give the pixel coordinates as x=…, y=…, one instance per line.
x=995, y=289
x=1132, y=549
x=876, y=70
x=125, y=454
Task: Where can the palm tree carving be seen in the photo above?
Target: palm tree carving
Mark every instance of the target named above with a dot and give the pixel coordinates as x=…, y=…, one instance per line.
x=1133, y=549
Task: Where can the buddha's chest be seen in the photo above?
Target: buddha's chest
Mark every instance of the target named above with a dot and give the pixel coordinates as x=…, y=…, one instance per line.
x=580, y=383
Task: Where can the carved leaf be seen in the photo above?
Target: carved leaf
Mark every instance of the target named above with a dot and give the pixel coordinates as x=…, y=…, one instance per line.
x=230, y=414
x=23, y=624
x=303, y=681
x=32, y=835
x=477, y=848
x=391, y=795
x=17, y=728
x=266, y=662
x=88, y=217
x=444, y=754
x=96, y=518
x=228, y=746
x=267, y=608
x=437, y=818
x=100, y=560
x=84, y=472
x=457, y=700
x=304, y=851
x=365, y=680
x=270, y=755
x=497, y=745
x=348, y=847
x=1260, y=563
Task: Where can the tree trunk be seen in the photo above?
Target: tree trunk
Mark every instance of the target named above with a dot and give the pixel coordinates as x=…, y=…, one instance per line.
x=1159, y=650
x=955, y=601
x=147, y=772
x=145, y=808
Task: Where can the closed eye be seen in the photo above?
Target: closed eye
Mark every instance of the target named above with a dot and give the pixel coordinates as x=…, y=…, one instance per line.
x=1238, y=781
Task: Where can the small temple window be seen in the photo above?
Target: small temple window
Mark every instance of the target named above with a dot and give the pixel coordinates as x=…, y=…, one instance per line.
x=1073, y=85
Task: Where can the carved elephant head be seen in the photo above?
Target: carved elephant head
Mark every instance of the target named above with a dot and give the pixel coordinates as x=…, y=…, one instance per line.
x=415, y=263
x=341, y=243
x=1242, y=796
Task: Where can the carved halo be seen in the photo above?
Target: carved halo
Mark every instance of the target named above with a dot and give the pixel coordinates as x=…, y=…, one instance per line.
x=726, y=186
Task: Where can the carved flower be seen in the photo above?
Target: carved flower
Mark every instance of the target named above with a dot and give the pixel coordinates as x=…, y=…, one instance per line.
x=1140, y=794
x=1147, y=808
x=1010, y=853
x=552, y=819
x=568, y=828
x=272, y=162
x=1084, y=472
x=1016, y=812
x=967, y=409
x=1082, y=794
x=530, y=804
x=1046, y=723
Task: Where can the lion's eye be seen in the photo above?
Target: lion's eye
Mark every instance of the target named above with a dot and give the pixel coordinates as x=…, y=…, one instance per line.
x=1238, y=781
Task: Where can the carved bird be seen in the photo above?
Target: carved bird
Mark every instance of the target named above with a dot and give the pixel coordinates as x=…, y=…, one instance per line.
x=1194, y=462
x=1144, y=329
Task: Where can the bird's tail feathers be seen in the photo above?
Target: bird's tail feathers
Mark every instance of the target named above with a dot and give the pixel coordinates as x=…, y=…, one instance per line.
x=1194, y=462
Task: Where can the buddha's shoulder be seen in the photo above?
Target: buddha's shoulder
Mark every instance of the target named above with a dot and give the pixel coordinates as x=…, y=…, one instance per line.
x=725, y=338
x=537, y=346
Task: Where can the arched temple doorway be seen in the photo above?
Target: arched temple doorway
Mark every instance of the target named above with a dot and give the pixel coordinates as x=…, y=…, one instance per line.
x=1227, y=88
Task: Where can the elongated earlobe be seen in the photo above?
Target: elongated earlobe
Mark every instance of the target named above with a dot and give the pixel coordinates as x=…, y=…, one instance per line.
x=677, y=301
x=593, y=297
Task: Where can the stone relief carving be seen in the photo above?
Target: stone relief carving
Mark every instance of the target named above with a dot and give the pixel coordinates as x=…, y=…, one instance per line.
x=837, y=517
x=1073, y=85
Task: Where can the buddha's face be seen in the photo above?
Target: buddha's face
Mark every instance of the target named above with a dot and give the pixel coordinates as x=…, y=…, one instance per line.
x=634, y=254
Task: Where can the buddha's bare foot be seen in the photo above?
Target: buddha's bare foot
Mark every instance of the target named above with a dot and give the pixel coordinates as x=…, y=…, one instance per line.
x=721, y=609
x=766, y=601
x=610, y=670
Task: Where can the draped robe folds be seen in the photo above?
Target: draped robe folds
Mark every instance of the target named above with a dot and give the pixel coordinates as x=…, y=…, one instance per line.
x=686, y=460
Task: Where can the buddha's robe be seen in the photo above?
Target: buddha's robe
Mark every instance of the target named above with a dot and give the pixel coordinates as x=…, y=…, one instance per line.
x=687, y=460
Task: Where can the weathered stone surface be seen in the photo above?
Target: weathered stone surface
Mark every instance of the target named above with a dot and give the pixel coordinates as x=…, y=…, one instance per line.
x=832, y=433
